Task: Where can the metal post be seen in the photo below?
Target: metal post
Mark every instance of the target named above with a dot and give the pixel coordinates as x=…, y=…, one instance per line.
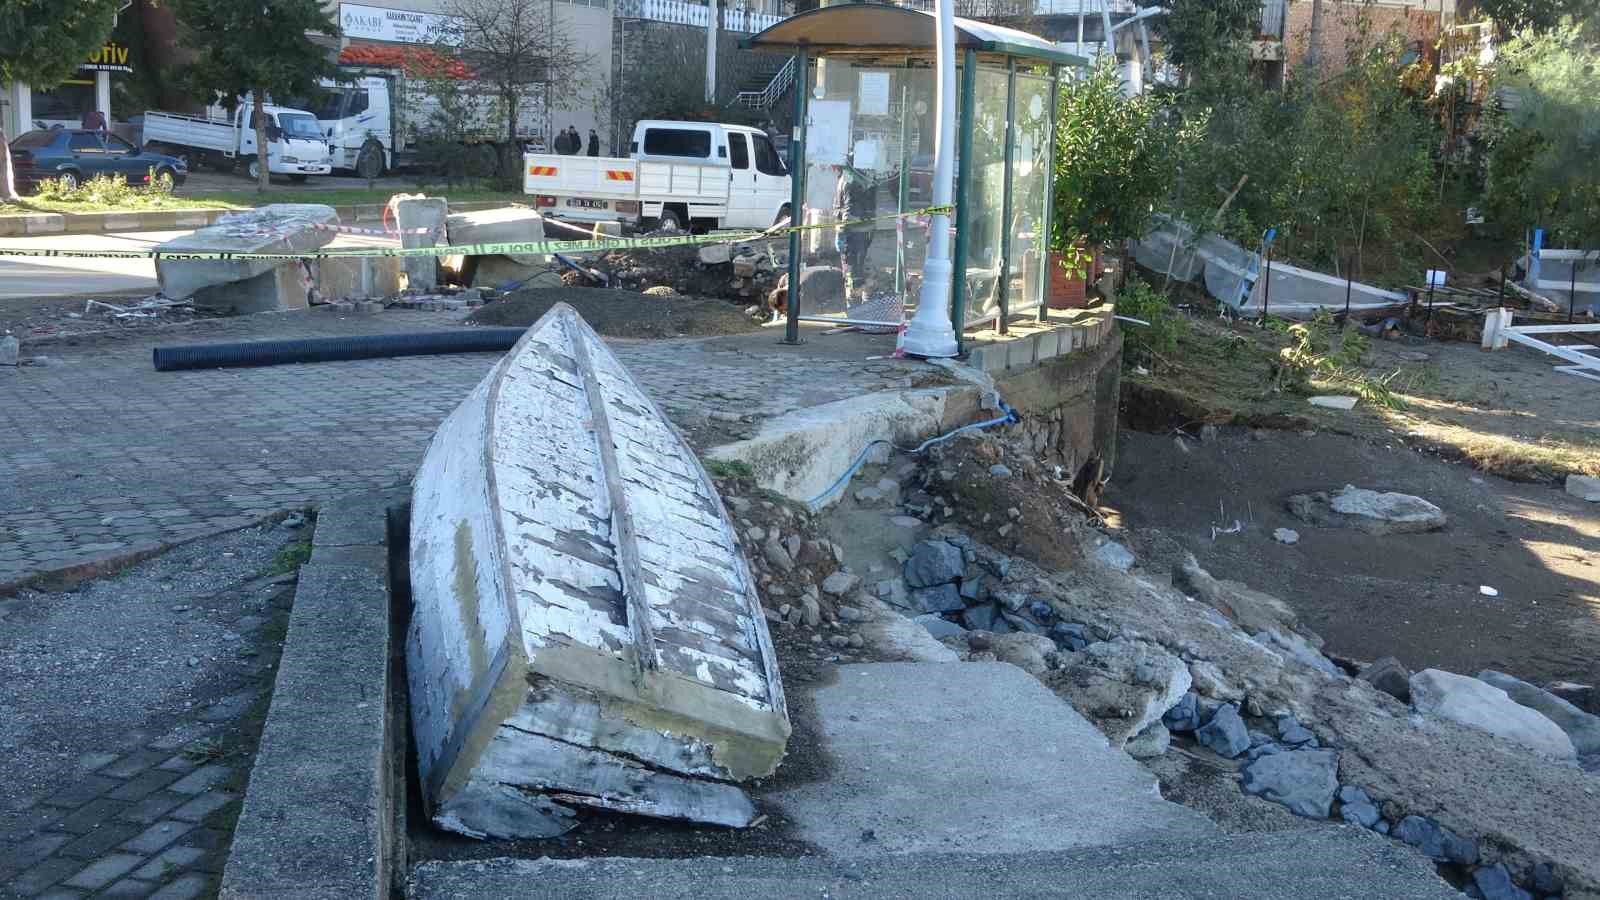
x=958, y=256
x=1429, y=317
x=929, y=333
x=797, y=189
x=1572, y=287
x=900, y=203
x=711, y=52
x=1003, y=317
x=1047, y=224
x=1502, y=285
x=1266, y=280
x=1349, y=280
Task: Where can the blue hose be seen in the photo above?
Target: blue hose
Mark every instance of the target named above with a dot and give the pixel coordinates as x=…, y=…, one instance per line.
x=861, y=458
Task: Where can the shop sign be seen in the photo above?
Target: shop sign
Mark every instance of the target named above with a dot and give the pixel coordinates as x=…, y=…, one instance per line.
x=113, y=57
x=401, y=26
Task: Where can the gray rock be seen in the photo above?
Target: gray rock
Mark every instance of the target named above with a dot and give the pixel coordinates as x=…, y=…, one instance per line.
x=1225, y=733
x=980, y=618
x=1286, y=536
x=1291, y=732
x=1584, y=487
x=1000, y=471
x=934, y=563
x=1440, y=844
x=1581, y=727
x=1267, y=749
x=937, y=599
x=1121, y=686
x=1184, y=716
x=1025, y=651
x=1494, y=883
x=1545, y=880
x=1367, y=510
x=1023, y=623
x=1357, y=808
x=940, y=627
x=972, y=590
x=840, y=583
x=1210, y=682
x=10, y=350
x=1115, y=555
x=1389, y=676
x=1041, y=611
x=1478, y=704
x=1149, y=743
x=1304, y=780
x=1349, y=793
x=810, y=611
x=776, y=556
x=1069, y=636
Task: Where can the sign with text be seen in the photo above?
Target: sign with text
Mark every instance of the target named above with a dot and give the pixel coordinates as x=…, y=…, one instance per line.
x=402, y=26
x=113, y=57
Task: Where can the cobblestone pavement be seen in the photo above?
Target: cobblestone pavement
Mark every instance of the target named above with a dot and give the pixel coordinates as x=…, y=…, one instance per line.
x=106, y=454
x=133, y=710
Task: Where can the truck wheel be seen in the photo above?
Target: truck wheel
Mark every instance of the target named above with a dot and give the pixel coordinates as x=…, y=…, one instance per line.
x=252, y=167
x=669, y=221
x=369, y=164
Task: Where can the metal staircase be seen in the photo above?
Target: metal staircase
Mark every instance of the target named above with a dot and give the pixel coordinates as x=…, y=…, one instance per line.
x=765, y=97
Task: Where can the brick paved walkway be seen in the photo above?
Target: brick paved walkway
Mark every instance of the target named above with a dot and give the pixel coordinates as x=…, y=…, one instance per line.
x=104, y=453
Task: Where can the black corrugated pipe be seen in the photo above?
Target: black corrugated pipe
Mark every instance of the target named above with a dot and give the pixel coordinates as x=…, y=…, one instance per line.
x=273, y=353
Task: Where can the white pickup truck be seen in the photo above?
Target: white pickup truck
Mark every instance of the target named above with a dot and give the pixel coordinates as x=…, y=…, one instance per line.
x=681, y=175
x=295, y=146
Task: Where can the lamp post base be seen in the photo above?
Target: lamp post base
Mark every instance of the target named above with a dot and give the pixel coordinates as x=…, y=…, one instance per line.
x=930, y=334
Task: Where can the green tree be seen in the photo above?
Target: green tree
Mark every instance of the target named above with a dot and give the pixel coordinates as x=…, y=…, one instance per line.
x=255, y=47
x=1115, y=160
x=1543, y=159
x=42, y=43
x=1540, y=15
x=1196, y=32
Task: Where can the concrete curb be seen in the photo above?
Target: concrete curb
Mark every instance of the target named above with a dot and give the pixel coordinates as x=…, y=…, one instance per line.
x=65, y=578
x=323, y=816
x=30, y=224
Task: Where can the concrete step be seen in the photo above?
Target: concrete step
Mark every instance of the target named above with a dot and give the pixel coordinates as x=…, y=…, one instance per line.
x=1329, y=862
x=970, y=758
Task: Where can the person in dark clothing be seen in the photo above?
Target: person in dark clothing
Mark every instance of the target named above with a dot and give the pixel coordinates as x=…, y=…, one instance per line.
x=855, y=197
x=94, y=120
x=594, y=143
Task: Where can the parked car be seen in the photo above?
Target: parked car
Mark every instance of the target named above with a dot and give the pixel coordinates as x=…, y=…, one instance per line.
x=75, y=155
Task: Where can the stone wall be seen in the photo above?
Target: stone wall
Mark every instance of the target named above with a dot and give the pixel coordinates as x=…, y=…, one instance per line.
x=1069, y=408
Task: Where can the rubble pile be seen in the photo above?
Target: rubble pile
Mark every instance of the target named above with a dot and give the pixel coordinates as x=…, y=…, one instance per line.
x=740, y=273
x=1173, y=659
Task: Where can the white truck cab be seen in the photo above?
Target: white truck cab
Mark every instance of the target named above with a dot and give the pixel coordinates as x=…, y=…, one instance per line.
x=682, y=175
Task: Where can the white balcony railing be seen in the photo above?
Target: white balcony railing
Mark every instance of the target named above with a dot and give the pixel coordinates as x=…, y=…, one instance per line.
x=678, y=12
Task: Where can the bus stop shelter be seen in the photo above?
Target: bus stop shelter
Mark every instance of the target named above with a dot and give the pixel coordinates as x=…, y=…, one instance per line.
x=864, y=113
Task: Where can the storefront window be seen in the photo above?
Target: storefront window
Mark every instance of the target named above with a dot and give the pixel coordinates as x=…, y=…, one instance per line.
x=65, y=103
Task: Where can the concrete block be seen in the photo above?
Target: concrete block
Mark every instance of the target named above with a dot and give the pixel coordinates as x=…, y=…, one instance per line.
x=499, y=226
x=498, y=271
x=45, y=223
x=365, y=276
x=279, y=288
x=1019, y=352
x=278, y=228
x=123, y=222
x=1049, y=345
x=428, y=213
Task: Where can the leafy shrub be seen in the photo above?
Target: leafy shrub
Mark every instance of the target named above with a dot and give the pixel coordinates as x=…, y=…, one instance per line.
x=1143, y=343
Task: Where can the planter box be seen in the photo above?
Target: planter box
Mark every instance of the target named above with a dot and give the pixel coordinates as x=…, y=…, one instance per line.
x=1066, y=291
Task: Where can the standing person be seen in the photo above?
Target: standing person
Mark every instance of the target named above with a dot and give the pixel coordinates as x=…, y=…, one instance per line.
x=564, y=143
x=94, y=120
x=854, y=199
x=594, y=143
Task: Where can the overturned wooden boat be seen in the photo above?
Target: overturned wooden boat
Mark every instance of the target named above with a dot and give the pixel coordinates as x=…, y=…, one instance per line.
x=585, y=631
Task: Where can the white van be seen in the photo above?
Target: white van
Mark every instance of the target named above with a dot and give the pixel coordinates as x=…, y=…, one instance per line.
x=679, y=175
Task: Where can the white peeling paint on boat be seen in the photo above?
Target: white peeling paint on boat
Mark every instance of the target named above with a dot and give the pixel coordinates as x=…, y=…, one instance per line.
x=577, y=581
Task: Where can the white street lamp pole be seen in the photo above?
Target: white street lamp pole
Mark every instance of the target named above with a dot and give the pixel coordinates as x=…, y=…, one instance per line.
x=930, y=333
x=711, y=52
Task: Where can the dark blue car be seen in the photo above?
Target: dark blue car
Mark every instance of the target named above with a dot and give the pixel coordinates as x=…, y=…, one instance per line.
x=75, y=155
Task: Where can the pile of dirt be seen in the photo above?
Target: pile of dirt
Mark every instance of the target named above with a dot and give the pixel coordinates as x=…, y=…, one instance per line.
x=683, y=270
x=623, y=314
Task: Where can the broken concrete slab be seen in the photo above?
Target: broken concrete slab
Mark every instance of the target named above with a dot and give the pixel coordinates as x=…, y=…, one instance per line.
x=428, y=214
x=1122, y=686
x=904, y=739
x=1478, y=704
x=358, y=277
x=1375, y=512
x=511, y=225
x=247, y=285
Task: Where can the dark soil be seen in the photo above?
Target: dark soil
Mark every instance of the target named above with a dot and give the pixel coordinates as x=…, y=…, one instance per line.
x=680, y=268
x=48, y=318
x=1412, y=596
x=622, y=314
